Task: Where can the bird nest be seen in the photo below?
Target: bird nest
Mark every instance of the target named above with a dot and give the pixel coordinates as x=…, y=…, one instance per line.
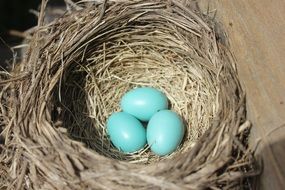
x=55, y=103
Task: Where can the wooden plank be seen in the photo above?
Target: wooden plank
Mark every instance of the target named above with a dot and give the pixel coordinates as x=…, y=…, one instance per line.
x=256, y=31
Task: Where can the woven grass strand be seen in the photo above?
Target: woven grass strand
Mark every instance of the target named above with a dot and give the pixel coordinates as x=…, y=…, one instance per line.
x=55, y=103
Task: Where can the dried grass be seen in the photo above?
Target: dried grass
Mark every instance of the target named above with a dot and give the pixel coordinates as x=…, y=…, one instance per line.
x=55, y=103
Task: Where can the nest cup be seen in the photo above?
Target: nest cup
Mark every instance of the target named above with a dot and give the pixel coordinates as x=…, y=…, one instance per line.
x=76, y=72
x=143, y=52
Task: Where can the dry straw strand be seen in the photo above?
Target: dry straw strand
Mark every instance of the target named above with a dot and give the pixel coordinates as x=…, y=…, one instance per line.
x=54, y=105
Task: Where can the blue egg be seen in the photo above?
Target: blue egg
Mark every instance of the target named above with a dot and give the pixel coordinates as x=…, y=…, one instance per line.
x=144, y=102
x=165, y=132
x=126, y=132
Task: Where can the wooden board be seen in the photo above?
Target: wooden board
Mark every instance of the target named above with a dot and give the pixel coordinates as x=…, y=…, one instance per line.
x=256, y=30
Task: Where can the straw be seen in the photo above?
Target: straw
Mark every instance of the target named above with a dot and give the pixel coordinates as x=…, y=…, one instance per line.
x=54, y=106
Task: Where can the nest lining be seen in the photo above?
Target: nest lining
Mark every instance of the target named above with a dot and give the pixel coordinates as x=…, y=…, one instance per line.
x=76, y=71
x=188, y=85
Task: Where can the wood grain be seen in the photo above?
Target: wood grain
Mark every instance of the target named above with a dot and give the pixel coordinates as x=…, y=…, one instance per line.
x=256, y=31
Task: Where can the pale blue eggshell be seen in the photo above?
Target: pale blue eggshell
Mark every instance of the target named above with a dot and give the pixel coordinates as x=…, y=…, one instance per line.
x=144, y=102
x=126, y=132
x=165, y=132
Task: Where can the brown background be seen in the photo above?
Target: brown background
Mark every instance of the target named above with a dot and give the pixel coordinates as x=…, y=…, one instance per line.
x=256, y=30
